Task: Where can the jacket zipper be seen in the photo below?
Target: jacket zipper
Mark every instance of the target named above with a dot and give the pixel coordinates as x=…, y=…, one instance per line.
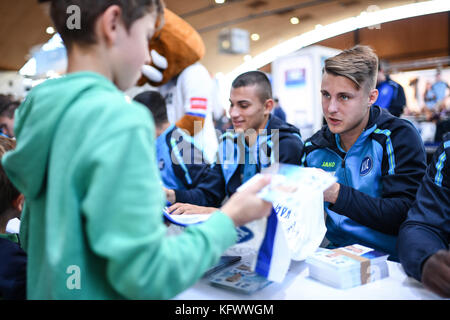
x=342, y=163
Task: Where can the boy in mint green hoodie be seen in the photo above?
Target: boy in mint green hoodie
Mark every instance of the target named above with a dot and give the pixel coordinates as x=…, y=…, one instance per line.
x=85, y=161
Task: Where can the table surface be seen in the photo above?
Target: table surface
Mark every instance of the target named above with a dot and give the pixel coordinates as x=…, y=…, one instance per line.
x=299, y=286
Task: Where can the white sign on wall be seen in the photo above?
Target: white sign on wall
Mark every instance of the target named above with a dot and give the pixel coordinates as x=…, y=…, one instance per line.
x=296, y=80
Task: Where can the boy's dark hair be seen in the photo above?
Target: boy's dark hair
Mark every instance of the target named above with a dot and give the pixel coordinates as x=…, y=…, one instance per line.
x=132, y=10
x=155, y=102
x=8, y=193
x=255, y=78
x=7, y=106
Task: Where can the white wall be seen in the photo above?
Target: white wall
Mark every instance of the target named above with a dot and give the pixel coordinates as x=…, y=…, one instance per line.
x=300, y=96
x=12, y=83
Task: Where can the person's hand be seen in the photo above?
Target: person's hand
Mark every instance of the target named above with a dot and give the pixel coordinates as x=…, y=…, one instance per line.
x=331, y=194
x=187, y=208
x=436, y=273
x=170, y=195
x=245, y=206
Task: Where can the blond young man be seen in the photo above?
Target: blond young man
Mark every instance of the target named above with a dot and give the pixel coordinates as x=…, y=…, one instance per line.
x=378, y=159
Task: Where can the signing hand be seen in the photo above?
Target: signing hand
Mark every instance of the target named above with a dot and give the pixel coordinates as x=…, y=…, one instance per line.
x=331, y=194
x=245, y=206
x=187, y=208
x=170, y=195
x=436, y=273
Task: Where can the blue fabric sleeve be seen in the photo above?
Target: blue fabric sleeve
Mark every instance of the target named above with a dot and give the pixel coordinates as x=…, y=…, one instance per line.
x=427, y=228
x=208, y=187
x=291, y=149
x=13, y=271
x=399, y=185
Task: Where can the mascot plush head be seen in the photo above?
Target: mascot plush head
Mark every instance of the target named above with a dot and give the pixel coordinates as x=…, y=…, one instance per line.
x=175, y=47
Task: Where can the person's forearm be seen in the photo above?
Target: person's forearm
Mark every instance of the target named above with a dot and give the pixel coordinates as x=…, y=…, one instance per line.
x=381, y=214
x=199, y=197
x=416, y=243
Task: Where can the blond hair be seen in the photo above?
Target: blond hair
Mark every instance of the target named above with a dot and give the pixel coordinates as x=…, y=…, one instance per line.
x=358, y=64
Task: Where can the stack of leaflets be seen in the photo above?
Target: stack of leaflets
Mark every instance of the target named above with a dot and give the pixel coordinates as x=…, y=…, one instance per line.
x=348, y=266
x=239, y=278
x=224, y=262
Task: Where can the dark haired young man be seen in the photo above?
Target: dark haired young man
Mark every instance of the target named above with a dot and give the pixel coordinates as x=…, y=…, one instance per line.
x=258, y=139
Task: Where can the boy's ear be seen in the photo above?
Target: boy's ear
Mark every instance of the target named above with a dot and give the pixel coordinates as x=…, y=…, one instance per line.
x=109, y=23
x=18, y=202
x=373, y=96
x=268, y=106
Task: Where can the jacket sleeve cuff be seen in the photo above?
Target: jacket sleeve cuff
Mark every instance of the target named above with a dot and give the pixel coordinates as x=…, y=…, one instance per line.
x=415, y=244
x=181, y=196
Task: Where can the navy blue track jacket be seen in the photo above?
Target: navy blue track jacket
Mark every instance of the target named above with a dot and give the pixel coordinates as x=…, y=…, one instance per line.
x=13, y=269
x=427, y=228
x=184, y=169
x=282, y=143
x=379, y=177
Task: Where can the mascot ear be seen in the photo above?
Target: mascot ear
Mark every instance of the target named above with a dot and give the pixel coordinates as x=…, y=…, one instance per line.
x=158, y=60
x=152, y=74
x=178, y=43
x=155, y=74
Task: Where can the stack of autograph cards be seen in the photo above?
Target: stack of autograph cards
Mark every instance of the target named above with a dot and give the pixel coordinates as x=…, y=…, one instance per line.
x=224, y=262
x=348, y=266
x=239, y=278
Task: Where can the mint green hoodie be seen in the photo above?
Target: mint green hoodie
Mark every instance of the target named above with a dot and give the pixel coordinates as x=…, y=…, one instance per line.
x=92, y=223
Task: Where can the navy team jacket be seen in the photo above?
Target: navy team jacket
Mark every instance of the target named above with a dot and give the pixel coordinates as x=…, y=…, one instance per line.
x=379, y=177
x=281, y=142
x=183, y=168
x=427, y=228
x=13, y=269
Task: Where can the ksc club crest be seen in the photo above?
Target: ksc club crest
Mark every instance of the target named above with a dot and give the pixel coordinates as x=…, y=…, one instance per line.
x=366, y=166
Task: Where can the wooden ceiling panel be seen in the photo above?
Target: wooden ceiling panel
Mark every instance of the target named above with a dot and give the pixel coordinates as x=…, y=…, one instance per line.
x=24, y=22
x=22, y=26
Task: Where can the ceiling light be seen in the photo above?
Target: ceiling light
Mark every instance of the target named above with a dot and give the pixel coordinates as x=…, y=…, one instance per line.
x=220, y=1
x=226, y=44
x=364, y=20
x=294, y=20
x=50, y=30
x=254, y=36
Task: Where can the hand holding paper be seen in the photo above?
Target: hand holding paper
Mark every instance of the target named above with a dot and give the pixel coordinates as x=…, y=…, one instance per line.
x=187, y=208
x=296, y=227
x=245, y=205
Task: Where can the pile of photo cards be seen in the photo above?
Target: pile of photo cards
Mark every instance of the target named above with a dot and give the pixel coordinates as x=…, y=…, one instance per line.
x=348, y=266
x=239, y=278
x=224, y=262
